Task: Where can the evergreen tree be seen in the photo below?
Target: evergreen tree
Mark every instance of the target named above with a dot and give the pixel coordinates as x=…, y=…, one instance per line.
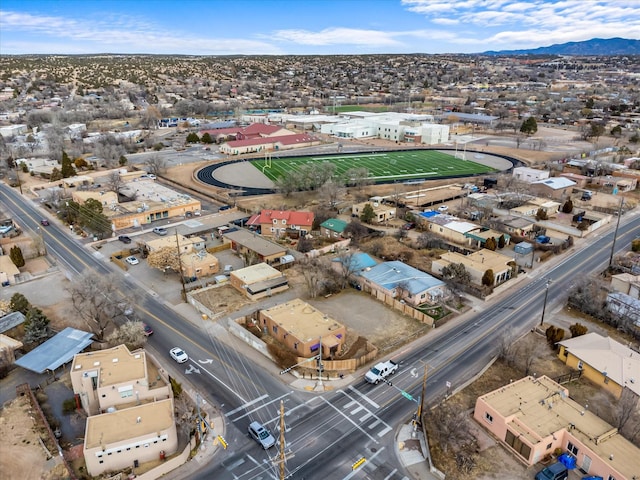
x=36, y=326
x=206, y=138
x=194, y=138
x=490, y=244
x=529, y=126
x=19, y=303
x=501, y=241
x=15, y=254
x=67, y=169
x=122, y=161
x=488, y=278
x=568, y=206
x=367, y=213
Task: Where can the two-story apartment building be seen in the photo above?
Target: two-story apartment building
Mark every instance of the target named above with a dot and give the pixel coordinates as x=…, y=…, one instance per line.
x=129, y=403
x=277, y=223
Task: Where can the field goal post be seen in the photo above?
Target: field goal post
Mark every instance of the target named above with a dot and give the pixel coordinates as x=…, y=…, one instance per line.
x=267, y=160
x=461, y=155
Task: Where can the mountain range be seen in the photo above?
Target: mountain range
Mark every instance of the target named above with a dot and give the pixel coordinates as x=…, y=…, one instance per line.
x=595, y=46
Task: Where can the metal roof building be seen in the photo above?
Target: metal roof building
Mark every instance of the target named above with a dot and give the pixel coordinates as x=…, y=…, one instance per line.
x=56, y=351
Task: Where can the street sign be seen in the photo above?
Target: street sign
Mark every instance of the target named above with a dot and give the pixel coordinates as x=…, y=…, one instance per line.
x=407, y=395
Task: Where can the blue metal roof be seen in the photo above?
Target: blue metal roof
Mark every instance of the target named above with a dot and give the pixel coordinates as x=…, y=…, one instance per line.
x=56, y=351
x=11, y=320
x=429, y=213
x=390, y=274
x=359, y=261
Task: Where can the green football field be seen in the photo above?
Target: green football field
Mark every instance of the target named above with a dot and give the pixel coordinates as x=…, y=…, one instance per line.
x=383, y=166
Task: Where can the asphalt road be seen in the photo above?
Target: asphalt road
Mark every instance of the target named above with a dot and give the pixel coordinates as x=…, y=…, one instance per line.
x=326, y=433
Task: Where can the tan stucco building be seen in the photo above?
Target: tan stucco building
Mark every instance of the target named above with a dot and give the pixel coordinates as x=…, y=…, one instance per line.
x=382, y=213
x=534, y=416
x=301, y=327
x=151, y=202
x=477, y=264
x=249, y=243
x=257, y=281
x=604, y=361
x=129, y=404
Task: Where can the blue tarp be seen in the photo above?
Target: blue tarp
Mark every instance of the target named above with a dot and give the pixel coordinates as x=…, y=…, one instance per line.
x=56, y=351
x=567, y=460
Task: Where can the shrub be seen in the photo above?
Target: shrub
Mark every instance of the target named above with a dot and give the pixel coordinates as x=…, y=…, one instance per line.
x=488, y=278
x=554, y=335
x=176, y=387
x=69, y=406
x=635, y=245
x=577, y=329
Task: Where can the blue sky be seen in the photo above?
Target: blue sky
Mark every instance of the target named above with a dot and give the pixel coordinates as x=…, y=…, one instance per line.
x=315, y=27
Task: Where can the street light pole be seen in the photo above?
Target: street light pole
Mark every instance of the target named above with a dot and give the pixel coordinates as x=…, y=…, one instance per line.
x=615, y=234
x=544, y=305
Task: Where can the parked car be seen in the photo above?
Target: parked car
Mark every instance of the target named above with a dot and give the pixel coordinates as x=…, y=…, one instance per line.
x=409, y=226
x=178, y=355
x=556, y=471
x=131, y=260
x=124, y=239
x=228, y=269
x=224, y=207
x=147, y=330
x=160, y=231
x=44, y=222
x=443, y=208
x=261, y=435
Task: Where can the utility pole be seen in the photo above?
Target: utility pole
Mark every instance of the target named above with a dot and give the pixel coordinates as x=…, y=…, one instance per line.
x=615, y=234
x=544, y=305
x=181, y=273
x=319, y=385
x=421, y=402
x=282, y=444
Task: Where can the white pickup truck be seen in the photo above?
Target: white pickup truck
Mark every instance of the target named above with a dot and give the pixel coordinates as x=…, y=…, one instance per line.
x=381, y=371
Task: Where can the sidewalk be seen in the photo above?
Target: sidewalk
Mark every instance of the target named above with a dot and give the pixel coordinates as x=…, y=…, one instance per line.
x=412, y=451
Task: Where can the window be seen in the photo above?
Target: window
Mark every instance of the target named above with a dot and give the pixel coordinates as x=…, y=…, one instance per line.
x=126, y=394
x=611, y=477
x=488, y=417
x=580, y=365
x=549, y=446
x=606, y=379
x=572, y=448
x=275, y=329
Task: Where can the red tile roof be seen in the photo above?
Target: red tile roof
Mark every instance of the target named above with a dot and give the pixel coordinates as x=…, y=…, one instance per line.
x=283, y=140
x=260, y=129
x=293, y=217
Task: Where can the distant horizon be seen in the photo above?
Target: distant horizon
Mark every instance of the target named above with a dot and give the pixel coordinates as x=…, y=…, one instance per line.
x=312, y=27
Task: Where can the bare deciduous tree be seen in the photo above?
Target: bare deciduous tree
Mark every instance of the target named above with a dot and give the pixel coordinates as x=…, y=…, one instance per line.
x=95, y=299
x=313, y=271
x=131, y=334
x=114, y=182
x=156, y=164
x=332, y=191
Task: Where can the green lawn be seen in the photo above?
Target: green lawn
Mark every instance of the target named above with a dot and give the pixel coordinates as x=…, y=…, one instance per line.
x=383, y=166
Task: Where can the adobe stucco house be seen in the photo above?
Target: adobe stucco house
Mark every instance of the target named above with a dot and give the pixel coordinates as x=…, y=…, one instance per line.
x=532, y=417
x=604, y=361
x=302, y=328
x=129, y=403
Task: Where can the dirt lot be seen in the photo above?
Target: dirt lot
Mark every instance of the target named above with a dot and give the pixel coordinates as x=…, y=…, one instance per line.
x=21, y=455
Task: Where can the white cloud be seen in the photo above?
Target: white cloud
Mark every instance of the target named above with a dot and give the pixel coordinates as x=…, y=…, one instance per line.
x=337, y=36
x=445, y=21
x=118, y=34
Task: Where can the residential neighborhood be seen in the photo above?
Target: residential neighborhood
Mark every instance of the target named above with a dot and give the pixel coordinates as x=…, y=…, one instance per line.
x=187, y=252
